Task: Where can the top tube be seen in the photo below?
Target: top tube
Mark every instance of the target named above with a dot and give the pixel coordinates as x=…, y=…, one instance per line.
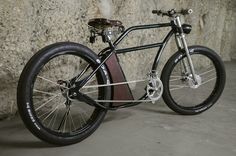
x=139, y=27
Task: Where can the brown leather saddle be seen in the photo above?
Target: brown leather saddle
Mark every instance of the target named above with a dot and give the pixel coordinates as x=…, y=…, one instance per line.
x=102, y=23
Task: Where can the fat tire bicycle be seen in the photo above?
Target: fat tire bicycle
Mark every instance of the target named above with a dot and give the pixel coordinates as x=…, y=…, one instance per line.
x=66, y=89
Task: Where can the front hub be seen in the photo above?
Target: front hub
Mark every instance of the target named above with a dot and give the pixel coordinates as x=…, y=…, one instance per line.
x=194, y=84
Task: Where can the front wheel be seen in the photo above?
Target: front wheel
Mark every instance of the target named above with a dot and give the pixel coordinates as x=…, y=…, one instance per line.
x=181, y=93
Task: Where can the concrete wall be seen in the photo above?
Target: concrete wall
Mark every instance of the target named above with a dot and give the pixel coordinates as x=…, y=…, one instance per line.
x=28, y=25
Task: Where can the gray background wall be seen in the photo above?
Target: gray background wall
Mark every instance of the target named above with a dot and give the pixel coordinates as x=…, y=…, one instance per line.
x=28, y=25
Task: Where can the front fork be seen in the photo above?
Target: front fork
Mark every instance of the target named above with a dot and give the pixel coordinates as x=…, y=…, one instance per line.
x=182, y=44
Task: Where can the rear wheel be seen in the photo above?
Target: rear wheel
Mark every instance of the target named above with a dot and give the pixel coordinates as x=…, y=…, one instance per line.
x=44, y=101
x=181, y=94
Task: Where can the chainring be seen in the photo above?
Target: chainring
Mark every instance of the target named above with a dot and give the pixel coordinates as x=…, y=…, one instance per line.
x=154, y=88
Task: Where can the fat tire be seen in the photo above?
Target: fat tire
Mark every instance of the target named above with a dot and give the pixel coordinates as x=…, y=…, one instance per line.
x=219, y=87
x=24, y=94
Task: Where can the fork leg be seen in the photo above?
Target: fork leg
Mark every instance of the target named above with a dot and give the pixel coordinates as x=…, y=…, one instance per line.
x=185, y=46
x=180, y=47
x=190, y=62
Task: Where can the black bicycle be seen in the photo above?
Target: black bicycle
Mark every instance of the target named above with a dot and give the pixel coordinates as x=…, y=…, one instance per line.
x=66, y=89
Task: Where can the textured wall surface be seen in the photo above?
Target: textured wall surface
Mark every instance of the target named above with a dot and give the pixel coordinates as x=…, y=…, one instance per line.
x=28, y=25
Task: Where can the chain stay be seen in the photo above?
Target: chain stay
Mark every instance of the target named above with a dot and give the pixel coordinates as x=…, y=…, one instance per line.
x=154, y=88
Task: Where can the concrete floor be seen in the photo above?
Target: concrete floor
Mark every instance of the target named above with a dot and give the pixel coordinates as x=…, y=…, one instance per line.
x=142, y=131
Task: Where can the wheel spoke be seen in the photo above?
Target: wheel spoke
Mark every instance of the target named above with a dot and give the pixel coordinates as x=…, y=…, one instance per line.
x=90, y=92
x=178, y=87
x=175, y=76
x=81, y=124
x=77, y=78
x=206, y=72
x=49, y=123
x=208, y=80
x=44, y=92
x=54, y=118
x=84, y=121
x=47, y=102
x=177, y=100
x=63, y=121
x=52, y=82
x=73, y=124
x=51, y=111
x=175, y=79
x=64, y=125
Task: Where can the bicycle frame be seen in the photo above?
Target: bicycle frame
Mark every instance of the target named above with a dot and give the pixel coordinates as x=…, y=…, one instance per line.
x=161, y=45
x=107, y=52
x=112, y=48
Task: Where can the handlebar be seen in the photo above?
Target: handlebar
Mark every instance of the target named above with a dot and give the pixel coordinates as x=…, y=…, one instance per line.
x=172, y=12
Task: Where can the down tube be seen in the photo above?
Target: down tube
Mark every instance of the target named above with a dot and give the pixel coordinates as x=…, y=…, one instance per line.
x=161, y=49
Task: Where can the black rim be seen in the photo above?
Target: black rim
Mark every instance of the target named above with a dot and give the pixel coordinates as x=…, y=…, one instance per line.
x=206, y=103
x=93, y=118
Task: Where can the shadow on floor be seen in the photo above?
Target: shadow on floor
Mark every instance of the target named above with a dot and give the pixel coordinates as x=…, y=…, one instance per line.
x=125, y=113
x=22, y=143
x=13, y=134
x=117, y=115
x=155, y=109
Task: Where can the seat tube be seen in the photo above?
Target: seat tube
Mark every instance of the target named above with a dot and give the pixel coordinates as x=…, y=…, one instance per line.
x=185, y=46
